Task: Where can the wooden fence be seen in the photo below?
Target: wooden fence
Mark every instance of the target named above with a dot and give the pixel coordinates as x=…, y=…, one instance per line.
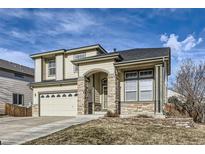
x=17, y=111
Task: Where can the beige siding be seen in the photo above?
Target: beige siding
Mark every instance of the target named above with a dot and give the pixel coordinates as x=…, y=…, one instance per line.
x=69, y=73
x=44, y=69
x=68, y=69
x=103, y=65
x=59, y=67
x=91, y=53
x=47, y=77
x=38, y=69
x=36, y=91
x=10, y=86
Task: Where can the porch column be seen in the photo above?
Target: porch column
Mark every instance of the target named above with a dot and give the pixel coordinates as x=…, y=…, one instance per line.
x=81, y=96
x=159, y=89
x=113, y=93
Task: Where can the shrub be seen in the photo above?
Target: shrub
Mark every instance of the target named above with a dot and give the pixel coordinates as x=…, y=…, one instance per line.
x=174, y=100
x=176, y=108
x=111, y=114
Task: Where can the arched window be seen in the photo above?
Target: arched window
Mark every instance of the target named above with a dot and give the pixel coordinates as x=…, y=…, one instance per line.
x=70, y=95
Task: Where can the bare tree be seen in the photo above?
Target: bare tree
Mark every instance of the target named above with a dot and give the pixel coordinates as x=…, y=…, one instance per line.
x=190, y=81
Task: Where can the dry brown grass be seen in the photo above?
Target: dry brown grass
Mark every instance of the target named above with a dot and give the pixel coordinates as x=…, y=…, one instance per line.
x=125, y=131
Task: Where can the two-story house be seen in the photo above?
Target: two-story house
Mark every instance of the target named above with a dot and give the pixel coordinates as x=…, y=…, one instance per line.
x=89, y=80
x=14, y=84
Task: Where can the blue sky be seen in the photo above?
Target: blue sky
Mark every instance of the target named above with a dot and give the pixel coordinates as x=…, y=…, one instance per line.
x=27, y=31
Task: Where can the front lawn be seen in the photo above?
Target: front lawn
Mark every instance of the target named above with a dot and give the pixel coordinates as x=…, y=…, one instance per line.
x=125, y=131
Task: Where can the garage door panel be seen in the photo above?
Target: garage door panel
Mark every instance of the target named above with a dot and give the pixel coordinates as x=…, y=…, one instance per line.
x=61, y=104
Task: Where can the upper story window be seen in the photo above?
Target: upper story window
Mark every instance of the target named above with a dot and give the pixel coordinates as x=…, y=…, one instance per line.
x=18, y=75
x=76, y=57
x=51, y=67
x=79, y=56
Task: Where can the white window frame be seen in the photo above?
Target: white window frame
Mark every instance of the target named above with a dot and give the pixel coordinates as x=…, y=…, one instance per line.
x=146, y=76
x=18, y=99
x=127, y=79
x=130, y=73
x=146, y=90
x=76, y=57
x=51, y=67
x=139, y=78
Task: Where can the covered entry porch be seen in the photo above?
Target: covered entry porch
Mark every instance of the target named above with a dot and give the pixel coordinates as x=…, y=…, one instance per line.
x=98, y=92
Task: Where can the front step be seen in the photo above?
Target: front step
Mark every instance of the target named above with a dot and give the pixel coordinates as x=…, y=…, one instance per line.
x=99, y=113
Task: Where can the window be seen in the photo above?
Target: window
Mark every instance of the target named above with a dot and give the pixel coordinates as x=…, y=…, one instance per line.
x=131, y=90
x=18, y=75
x=18, y=99
x=51, y=67
x=131, y=86
x=145, y=90
x=146, y=73
x=76, y=57
x=131, y=75
x=139, y=87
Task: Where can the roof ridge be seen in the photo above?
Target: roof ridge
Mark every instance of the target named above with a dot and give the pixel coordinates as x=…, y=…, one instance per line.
x=143, y=49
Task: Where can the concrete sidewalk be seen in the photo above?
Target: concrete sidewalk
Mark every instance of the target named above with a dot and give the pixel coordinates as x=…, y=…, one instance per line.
x=34, y=132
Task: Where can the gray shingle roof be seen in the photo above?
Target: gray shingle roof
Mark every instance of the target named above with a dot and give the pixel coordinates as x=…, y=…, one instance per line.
x=16, y=67
x=143, y=53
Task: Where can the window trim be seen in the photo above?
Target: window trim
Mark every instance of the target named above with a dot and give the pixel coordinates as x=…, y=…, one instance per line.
x=133, y=77
x=145, y=77
x=17, y=96
x=76, y=67
x=51, y=67
x=136, y=91
x=147, y=90
x=138, y=78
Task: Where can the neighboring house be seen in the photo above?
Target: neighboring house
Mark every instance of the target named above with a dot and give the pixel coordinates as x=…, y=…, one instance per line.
x=173, y=93
x=14, y=84
x=88, y=80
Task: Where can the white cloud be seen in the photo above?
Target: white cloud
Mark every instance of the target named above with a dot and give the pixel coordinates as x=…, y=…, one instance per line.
x=16, y=57
x=181, y=50
x=177, y=46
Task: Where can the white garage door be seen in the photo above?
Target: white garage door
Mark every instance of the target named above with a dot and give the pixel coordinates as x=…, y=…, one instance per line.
x=58, y=104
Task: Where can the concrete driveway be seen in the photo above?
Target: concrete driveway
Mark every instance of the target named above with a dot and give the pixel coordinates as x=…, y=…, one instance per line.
x=17, y=130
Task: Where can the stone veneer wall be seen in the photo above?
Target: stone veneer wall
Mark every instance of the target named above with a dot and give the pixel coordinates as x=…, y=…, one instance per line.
x=35, y=110
x=81, y=96
x=132, y=108
x=113, y=96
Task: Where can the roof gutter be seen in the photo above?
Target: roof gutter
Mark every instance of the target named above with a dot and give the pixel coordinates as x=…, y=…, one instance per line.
x=97, y=58
x=140, y=60
x=37, y=55
x=53, y=83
